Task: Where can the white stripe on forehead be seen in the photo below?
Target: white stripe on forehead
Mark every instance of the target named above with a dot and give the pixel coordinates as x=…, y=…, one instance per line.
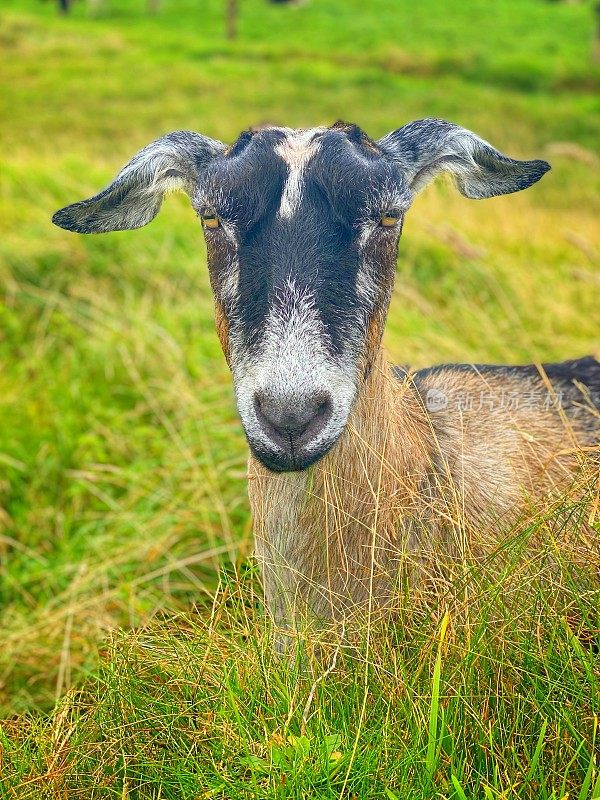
x=296, y=150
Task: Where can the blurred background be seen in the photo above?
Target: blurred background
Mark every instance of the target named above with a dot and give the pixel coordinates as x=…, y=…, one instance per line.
x=122, y=462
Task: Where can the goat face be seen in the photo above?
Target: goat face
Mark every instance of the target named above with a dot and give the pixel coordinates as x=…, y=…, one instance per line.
x=302, y=229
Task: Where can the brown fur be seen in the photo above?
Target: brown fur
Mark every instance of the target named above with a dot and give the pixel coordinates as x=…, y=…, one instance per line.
x=222, y=328
x=403, y=484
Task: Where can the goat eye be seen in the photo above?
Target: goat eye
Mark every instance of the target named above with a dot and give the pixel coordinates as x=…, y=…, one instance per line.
x=390, y=218
x=210, y=220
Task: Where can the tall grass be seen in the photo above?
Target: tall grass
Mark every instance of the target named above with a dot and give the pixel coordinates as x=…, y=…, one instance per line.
x=494, y=696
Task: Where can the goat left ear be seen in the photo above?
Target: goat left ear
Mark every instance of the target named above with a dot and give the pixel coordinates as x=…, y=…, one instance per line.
x=428, y=146
x=174, y=162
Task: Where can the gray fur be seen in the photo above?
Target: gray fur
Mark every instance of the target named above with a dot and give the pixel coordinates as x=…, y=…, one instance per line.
x=133, y=199
x=427, y=147
x=177, y=160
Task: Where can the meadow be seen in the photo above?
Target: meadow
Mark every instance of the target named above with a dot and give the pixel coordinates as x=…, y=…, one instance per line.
x=134, y=651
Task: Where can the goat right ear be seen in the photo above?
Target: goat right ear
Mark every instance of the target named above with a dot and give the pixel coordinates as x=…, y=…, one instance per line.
x=428, y=146
x=173, y=162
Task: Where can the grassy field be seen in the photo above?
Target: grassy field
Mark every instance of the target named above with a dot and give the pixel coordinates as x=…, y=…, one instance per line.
x=134, y=659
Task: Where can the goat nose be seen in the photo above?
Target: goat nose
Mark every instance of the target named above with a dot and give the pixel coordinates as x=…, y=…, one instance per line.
x=296, y=418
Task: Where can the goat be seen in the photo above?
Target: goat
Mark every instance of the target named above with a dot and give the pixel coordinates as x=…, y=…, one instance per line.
x=354, y=468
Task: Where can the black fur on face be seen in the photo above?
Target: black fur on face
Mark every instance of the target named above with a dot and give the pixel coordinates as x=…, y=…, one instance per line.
x=300, y=264
x=303, y=207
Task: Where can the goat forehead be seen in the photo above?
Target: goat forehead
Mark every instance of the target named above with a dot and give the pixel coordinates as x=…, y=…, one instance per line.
x=324, y=148
x=274, y=165
x=298, y=145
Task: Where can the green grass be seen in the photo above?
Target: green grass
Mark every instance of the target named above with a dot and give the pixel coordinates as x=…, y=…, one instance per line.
x=134, y=657
x=497, y=701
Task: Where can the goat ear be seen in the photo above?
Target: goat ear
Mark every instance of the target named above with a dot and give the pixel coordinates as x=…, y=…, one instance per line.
x=173, y=162
x=428, y=146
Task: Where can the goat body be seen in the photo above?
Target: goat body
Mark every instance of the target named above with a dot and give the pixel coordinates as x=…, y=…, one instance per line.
x=356, y=476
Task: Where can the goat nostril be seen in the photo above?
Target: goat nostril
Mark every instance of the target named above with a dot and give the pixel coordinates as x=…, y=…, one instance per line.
x=323, y=409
